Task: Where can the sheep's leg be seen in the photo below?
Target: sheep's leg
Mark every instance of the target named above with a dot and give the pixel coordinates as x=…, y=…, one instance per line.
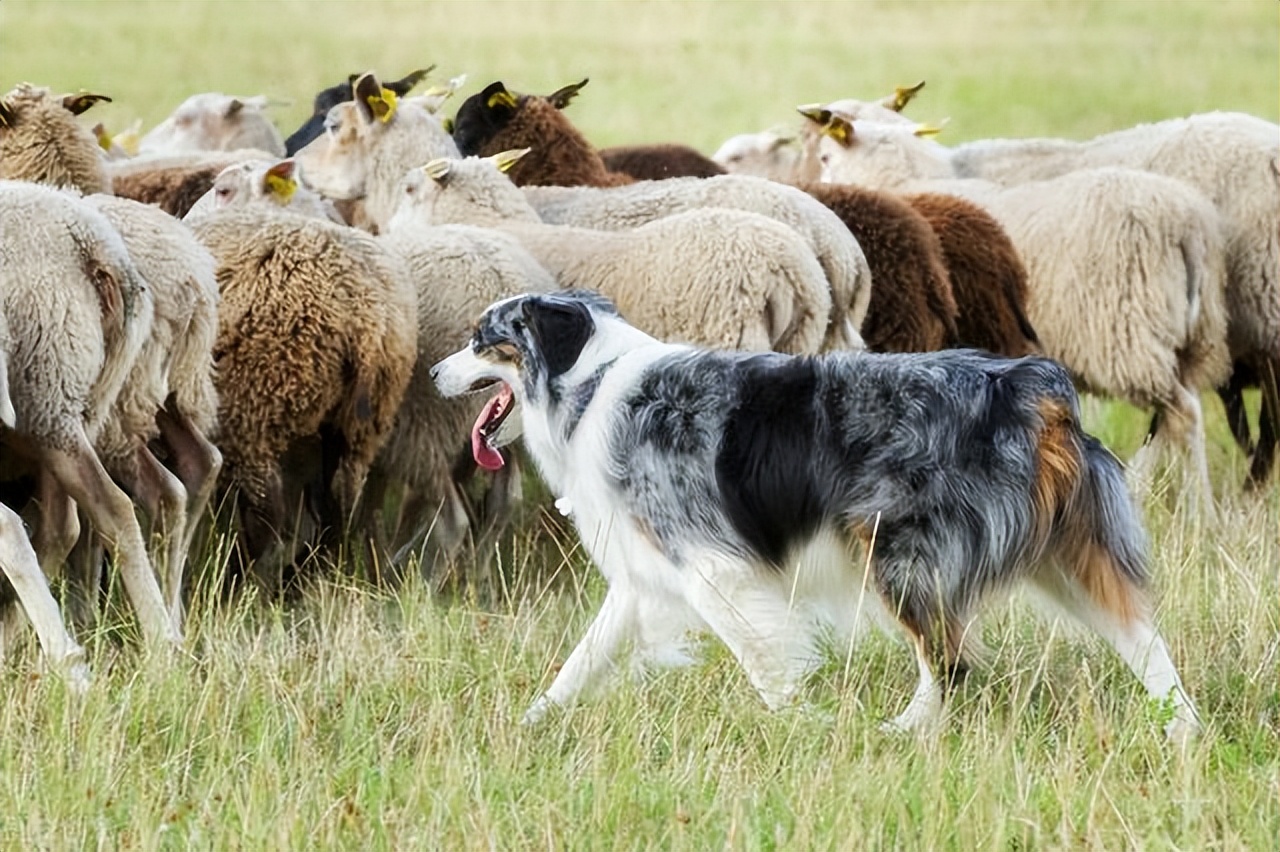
x=165, y=501
x=82, y=594
x=18, y=560
x=196, y=461
x=1177, y=422
x=1232, y=396
x=80, y=472
x=262, y=517
x=58, y=527
x=437, y=535
x=1268, y=420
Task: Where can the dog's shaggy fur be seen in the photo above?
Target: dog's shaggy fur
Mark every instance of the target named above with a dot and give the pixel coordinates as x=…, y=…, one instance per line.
x=729, y=491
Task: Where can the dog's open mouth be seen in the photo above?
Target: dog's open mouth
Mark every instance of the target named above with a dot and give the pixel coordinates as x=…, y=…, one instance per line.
x=485, y=430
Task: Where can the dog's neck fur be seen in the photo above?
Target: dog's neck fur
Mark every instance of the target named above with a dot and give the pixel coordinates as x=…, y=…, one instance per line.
x=551, y=413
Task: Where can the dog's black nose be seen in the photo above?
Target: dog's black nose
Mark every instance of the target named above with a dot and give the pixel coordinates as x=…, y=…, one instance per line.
x=435, y=371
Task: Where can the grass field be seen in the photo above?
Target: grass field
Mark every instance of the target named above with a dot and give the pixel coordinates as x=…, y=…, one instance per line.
x=361, y=720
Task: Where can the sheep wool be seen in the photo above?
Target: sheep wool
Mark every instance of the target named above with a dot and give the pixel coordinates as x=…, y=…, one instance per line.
x=41, y=141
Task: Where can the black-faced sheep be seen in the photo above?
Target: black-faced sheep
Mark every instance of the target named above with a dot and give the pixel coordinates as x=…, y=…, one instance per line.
x=327, y=99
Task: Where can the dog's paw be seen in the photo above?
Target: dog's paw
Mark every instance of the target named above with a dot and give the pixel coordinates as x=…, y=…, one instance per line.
x=538, y=711
x=1182, y=730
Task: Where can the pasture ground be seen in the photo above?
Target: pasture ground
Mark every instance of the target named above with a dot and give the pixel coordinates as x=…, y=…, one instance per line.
x=361, y=720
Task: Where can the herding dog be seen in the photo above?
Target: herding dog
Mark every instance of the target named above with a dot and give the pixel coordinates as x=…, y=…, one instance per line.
x=727, y=491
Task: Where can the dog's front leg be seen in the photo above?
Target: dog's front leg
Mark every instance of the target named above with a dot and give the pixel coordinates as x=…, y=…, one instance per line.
x=614, y=624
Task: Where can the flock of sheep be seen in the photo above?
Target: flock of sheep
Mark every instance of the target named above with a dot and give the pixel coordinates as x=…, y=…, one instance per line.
x=203, y=315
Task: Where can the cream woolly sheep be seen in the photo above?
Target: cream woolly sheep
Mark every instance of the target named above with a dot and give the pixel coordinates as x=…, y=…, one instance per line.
x=41, y=141
x=169, y=395
x=212, y=121
x=369, y=144
x=174, y=183
x=1225, y=155
x=720, y=278
x=459, y=271
x=1125, y=271
x=78, y=313
x=316, y=343
x=264, y=182
x=629, y=206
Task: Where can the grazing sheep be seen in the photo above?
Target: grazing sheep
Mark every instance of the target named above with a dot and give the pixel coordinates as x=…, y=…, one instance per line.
x=625, y=207
x=1228, y=157
x=264, y=182
x=78, y=313
x=496, y=120
x=329, y=98
x=316, y=343
x=459, y=271
x=659, y=162
x=40, y=140
x=212, y=121
x=1125, y=270
x=720, y=278
x=368, y=145
x=169, y=396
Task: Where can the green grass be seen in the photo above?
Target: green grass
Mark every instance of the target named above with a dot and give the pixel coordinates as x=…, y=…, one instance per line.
x=360, y=720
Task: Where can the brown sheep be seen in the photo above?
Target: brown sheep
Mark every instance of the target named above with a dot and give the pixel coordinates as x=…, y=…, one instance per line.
x=988, y=278
x=659, y=162
x=497, y=120
x=912, y=308
x=41, y=141
x=317, y=338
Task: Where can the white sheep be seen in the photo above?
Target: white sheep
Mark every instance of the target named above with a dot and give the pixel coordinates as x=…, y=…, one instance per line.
x=1227, y=156
x=369, y=144
x=1125, y=270
x=78, y=313
x=264, y=182
x=212, y=121
x=170, y=394
x=636, y=204
x=459, y=271
x=720, y=278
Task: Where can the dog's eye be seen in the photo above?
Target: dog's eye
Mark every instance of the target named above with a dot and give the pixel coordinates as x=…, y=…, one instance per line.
x=517, y=326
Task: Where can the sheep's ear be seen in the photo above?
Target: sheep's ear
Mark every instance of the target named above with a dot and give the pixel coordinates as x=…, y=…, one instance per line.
x=81, y=101
x=781, y=140
x=437, y=169
x=504, y=160
x=279, y=183
x=560, y=97
x=839, y=128
x=923, y=129
x=901, y=96
x=7, y=116
x=444, y=91
x=375, y=102
x=497, y=97
x=406, y=83
x=816, y=113
x=447, y=124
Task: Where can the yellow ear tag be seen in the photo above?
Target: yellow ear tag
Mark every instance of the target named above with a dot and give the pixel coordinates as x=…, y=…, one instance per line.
x=927, y=130
x=838, y=129
x=503, y=98
x=103, y=137
x=504, y=160
x=383, y=105
x=281, y=189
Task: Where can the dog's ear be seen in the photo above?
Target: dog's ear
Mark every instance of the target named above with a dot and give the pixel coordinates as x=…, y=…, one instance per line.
x=560, y=329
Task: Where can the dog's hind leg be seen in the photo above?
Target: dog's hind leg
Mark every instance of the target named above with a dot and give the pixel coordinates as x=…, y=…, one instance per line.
x=1115, y=610
x=595, y=655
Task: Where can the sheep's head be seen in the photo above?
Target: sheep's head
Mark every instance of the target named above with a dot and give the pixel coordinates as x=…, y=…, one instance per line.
x=482, y=118
x=769, y=154
x=215, y=122
x=875, y=154
x=329, y=98
x=41, y=141
x=471, y=190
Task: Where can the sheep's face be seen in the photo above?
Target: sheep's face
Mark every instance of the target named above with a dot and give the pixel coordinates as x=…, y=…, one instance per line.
x=482, y=117
x=880, y=156
x=337, y=161
x=215, y=122
x=472, y=190
x=767, y=154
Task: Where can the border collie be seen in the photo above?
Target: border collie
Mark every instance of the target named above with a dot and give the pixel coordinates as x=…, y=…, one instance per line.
x=744, y=494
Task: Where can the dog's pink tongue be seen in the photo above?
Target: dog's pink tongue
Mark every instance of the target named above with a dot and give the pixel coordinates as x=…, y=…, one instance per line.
x=486, y=456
